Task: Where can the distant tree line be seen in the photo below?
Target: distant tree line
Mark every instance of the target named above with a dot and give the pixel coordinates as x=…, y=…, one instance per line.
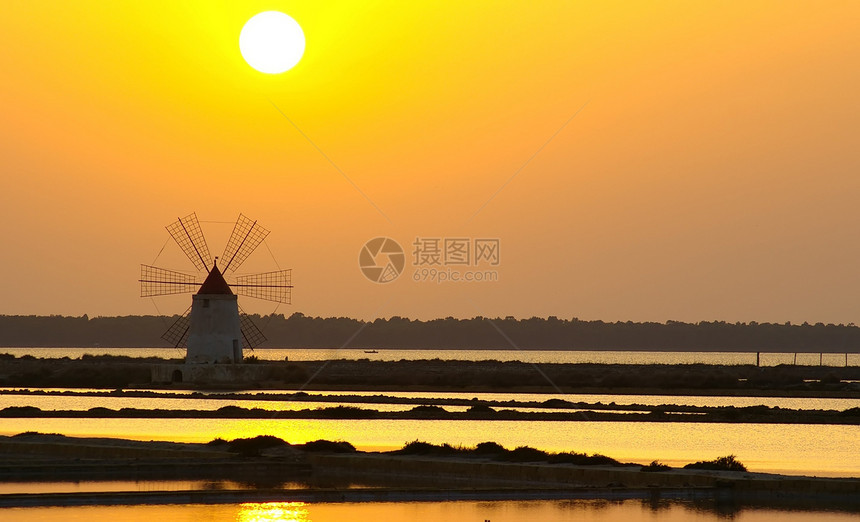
x=300, y=331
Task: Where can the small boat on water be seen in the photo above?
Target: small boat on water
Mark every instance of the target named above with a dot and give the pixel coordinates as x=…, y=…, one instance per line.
x=371, y=351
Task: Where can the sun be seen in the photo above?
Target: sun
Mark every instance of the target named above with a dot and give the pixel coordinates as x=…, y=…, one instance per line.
x=272, y=42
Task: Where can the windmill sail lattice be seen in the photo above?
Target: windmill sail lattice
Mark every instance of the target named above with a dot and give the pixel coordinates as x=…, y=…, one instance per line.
x=246, y=237
x=269, y=286
x=251, y=335
x=189, y=236
x=177, y=334
x=156, y=281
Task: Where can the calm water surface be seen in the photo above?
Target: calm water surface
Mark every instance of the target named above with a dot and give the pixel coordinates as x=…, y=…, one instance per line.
x=820, y=450
x=72, y=403
x=105, y=486
x=536, y=356
x=797, y=403
x=252, y=399
x=495, y=511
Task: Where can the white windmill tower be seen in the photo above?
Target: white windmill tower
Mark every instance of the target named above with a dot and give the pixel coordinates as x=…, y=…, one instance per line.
x=214, y=328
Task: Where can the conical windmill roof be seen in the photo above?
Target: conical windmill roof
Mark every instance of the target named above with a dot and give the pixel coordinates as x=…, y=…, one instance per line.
x=215, y=283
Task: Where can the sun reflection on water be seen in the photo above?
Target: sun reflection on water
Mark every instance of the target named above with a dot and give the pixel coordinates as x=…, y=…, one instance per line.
x=273, y=512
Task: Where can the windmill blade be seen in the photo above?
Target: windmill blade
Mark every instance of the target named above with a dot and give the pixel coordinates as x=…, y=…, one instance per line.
x=177, y=334
x=270, y=286
x=188, y=235
x=252, y=337
x=156, y=281
x=245, y=238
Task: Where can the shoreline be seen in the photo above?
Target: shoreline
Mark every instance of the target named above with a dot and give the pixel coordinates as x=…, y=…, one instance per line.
x=426, y=408
x=115, y=372
x=326, y=475
x=708, y=497
x=249, y=388
x=382, y=494
x=749, y=415
x=231, y=393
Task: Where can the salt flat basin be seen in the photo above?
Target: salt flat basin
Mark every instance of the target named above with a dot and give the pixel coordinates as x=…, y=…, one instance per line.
x=72, y=403
x=816, y=450
x=84, y=403
x=252, y=399
x=99, y=486
x=796, y=403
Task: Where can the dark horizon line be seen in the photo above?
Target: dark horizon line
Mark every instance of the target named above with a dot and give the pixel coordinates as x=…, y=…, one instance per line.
x=548, y=318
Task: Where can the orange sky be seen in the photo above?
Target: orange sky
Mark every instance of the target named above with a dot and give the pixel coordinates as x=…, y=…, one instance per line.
x=712, y=173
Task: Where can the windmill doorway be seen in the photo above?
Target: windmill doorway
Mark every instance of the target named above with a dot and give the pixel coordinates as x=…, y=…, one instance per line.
x=177, y=376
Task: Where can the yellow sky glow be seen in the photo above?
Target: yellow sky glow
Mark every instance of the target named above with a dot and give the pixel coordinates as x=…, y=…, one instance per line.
x=712, y=173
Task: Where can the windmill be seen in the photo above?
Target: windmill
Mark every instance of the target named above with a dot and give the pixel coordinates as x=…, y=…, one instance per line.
x=215, y=329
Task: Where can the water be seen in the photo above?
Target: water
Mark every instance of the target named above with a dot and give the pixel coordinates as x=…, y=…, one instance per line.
x=794, y=449
x=74, y=402
x=462, y=511
x=105, y=486
x=535, y=356
x=822, y=450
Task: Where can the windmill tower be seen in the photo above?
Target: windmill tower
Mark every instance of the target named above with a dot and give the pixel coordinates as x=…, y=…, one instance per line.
x=214, y=328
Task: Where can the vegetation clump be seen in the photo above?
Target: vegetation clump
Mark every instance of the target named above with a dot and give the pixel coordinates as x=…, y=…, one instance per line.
x=655, y=467
x=429, y=410
x=582, y=459
x=727, y=463
x=20, y=411
x=525, y=454
x=231, y=411
x=347, y=412
x=328, y=446
x=480, y=409
x=25, y=434
x=251, y=447
x=417, y=447
x=497, y=452
x=489, y=448
x=556, y=403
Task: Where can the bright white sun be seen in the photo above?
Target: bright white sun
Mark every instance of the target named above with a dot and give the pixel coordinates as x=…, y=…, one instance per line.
x=272, y=42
